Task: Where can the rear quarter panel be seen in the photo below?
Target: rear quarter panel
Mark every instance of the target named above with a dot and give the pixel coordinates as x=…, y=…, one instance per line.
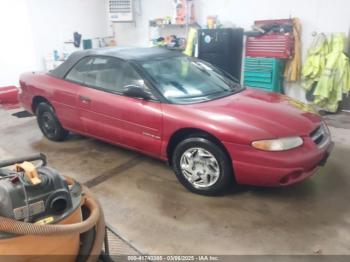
x=62, y=95
x=28, y=90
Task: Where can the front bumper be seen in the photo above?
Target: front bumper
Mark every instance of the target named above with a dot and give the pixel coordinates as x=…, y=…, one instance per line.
x=262, y=168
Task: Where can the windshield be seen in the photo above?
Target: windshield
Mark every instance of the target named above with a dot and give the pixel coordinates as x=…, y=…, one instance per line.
x=188, y=80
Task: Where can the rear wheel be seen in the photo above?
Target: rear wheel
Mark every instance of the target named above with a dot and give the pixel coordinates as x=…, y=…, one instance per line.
x=49, y=123
x=202, y=166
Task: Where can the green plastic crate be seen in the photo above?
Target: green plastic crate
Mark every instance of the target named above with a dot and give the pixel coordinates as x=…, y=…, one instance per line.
x=264, y=73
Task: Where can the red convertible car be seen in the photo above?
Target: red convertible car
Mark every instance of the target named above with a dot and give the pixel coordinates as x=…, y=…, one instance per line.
x=211, y=130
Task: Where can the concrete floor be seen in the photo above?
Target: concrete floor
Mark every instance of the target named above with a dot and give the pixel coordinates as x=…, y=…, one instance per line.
x=144, y=202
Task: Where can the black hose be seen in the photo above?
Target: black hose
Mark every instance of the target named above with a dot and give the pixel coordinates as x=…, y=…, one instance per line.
x=106, y=243
x=10, y=162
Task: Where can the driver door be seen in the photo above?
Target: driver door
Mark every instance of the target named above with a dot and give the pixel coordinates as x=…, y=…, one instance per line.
x=108, y=114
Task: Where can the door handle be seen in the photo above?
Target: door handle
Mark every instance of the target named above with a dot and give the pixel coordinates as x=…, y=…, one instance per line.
x=84, y=99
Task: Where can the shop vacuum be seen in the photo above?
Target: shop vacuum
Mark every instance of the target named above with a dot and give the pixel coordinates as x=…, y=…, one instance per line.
x=45, y=216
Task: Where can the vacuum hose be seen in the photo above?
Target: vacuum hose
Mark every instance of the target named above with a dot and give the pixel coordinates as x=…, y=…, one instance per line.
x=99, y=238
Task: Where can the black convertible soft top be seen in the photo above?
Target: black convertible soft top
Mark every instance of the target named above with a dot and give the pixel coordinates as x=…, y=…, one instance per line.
x=124, y=53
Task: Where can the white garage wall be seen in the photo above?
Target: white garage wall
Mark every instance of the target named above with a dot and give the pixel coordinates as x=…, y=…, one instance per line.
x=316, y=16
x=32, y=29
x=54, y=22
x=16, y=43
x=137, y=34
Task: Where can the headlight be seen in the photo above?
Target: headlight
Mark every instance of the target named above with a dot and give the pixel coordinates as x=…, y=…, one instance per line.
x=280, y=144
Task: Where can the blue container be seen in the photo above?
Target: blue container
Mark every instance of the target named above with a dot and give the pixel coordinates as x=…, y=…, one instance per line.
x=56, y=56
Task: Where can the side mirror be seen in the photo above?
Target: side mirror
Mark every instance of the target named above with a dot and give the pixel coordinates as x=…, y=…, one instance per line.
x=136, y=92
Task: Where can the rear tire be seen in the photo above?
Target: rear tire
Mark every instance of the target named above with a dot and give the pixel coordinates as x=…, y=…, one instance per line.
x=202, y=166
x=49, y=124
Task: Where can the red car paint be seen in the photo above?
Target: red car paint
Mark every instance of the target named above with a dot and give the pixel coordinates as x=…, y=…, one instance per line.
x=147, y=126
x=9, y=97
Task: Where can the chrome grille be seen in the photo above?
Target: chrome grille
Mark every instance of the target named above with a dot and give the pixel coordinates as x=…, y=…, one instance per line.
x=320, y=136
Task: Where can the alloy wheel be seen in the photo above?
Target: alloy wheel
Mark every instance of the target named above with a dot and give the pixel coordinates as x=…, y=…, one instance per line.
x=200, y=167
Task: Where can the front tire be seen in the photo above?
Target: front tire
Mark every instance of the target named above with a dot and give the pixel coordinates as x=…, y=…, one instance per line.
x=202, y=166
x=49, y=124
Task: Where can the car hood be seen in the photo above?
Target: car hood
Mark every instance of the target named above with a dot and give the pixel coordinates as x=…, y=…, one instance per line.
x=260, y=114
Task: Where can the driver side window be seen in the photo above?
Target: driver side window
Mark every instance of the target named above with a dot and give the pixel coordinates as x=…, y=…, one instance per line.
x=107, y=73
x=99, y=72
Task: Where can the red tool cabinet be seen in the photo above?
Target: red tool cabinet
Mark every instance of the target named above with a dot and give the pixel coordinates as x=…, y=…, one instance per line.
x=274, y=45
